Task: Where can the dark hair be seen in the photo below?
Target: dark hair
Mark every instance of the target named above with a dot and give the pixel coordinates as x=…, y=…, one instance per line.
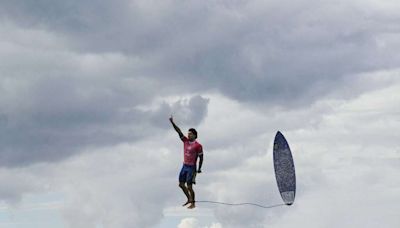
x=193, y=131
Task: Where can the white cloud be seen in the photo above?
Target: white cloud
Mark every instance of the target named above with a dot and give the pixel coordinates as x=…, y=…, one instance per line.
x=341, y=147
x=345, y=177
x=194, y=223
x=189, y=223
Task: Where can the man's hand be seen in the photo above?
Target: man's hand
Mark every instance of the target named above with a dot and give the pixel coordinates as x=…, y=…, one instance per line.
x=171, y=119
x=199, y=171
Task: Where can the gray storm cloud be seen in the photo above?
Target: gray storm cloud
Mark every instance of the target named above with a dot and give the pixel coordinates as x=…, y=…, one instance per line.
x=250, y=51
x=62, y=116
x=49, y=112
x=55, y=103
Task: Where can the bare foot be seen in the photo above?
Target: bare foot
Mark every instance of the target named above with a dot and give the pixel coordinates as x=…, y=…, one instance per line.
x=191, y=206
x=187, y=202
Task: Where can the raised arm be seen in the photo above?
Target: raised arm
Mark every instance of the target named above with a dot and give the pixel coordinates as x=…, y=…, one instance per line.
x=171, y=119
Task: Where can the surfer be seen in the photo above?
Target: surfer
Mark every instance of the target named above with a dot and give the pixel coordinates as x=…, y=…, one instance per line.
x=191, y=150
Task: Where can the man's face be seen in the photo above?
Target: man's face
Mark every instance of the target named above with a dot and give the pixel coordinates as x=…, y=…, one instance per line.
x=191, y=136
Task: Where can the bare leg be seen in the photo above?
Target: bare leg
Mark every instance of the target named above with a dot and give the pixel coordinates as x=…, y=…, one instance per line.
x=192, y=198
x=185, y=190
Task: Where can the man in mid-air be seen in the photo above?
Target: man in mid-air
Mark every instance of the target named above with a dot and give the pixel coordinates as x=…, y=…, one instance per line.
x=191, y=150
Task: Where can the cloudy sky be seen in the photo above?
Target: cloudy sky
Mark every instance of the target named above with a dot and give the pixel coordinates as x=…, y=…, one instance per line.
x=87, y=88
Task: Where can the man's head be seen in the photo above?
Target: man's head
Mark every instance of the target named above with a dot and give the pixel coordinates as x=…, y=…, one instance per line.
x=192, y=134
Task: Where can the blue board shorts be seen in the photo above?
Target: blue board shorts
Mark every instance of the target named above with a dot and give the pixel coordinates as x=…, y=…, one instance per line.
x=188, y=174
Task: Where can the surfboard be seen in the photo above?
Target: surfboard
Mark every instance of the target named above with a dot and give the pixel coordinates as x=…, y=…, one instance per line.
x=284, y=169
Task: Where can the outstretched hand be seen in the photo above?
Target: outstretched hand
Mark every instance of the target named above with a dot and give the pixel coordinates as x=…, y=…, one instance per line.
x=171, y=119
